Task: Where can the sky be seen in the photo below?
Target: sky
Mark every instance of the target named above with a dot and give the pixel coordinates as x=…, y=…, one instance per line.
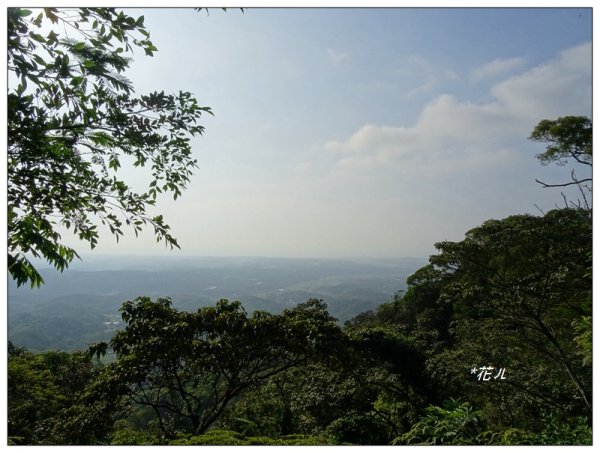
x=360, y=132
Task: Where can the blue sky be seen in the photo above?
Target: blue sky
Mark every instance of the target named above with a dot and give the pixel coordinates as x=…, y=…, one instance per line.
x=361, y=132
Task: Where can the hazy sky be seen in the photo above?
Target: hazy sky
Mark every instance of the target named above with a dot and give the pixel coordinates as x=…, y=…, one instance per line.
x=361, y=132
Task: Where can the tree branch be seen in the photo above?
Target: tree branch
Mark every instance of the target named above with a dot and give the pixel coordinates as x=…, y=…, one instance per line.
x=563, y=185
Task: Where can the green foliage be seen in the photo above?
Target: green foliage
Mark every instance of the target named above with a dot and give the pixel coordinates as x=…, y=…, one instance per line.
x=559, y=432
x=583, y=328
x=39, y=387
x=358, y=429
x=264, y=411
x=418, y=313
x=303, y=439
x=567, y=137
x=555, y=432
x=517, y=285
x=73, y=120
x=515, y=293
x=189, y=367
x=232, y=438
x=214, y=437
x=379, y=384
x=454, y=424
x=393, y=352
x=127, y=435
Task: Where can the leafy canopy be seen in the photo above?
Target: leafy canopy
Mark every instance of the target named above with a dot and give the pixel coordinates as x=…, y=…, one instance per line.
x=189, y=367
x=517, y=288
x=567, y=138
x=40, y=385
x=73, y=120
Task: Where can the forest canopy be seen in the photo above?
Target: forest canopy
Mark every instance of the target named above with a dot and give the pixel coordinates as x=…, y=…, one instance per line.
x=489, y=345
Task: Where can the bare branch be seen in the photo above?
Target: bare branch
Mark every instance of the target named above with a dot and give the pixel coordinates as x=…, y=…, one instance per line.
x=563, y=185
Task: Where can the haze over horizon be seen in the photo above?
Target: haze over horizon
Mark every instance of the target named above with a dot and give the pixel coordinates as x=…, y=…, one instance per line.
x=359, y=132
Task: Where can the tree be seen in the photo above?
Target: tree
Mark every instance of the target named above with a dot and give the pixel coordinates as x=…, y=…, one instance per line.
x=389, y=366
x=187, y=368
x=368, y=395
x=515, y=293
x=73, y=121
x=418, y=313
x=518, y=285
x=568, y=138
x=39, y=386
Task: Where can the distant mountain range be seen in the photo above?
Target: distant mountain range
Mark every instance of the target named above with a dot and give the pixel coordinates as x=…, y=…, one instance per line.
x=80, y=306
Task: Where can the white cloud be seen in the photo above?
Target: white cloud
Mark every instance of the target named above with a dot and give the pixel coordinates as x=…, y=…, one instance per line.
x=561, y=86
x=497, y=67
x=453, y=135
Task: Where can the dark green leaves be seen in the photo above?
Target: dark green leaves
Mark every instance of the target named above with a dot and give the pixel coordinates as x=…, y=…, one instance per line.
x=72, y=116
x=567, y=137
x=50, y=14
x=41, y=386
x=150, y=49
x=201, y=362
x=518, y=286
